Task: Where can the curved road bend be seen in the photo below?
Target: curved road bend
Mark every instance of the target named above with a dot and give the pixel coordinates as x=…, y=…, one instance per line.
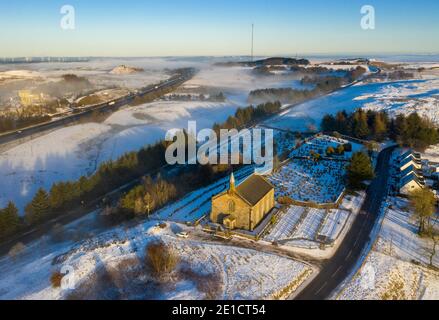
x=336, y=269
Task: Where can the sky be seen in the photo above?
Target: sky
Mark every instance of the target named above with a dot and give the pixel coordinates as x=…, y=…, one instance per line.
x=216, y=28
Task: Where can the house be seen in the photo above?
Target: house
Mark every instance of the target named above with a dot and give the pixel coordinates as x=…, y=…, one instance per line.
x=409, y=161
x=410, y=153
x=412, y=170
x=410, y=174
x=243, y=206
x=410, y=183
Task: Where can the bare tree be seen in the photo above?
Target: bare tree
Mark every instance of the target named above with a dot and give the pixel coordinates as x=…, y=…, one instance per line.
x=433, y=234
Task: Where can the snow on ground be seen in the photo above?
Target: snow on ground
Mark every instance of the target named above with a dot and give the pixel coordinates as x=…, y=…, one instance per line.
x=397, y=266
x=332, y=226
x=419, y=96
x=310, y=225
x=387, y=278
x=70, y=152
x=303, y=229
x=319, y=144
x=77, y=150
x=199, y=203
x=97, y=70
x=102, y=263
x=307, y=180
x=399, y=238
x=238, y=82
x=394, y=97
x=304, y=179
x=432, y=153
x=286, y=225
x=346, y=67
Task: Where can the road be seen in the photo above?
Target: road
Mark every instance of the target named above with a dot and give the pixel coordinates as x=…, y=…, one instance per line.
x=109, y=106
x=336, y=269
x=67, y=217
x=70, y=216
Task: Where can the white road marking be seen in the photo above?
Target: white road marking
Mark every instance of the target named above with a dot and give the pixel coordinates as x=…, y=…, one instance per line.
x=336, y=272
x=321, y=288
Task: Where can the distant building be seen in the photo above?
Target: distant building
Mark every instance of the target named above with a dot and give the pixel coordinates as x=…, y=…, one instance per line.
x=28, y=98
x=243, y=206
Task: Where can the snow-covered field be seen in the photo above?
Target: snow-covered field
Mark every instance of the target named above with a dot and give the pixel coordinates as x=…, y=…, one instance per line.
x=395, y=97
x=397, y=267
x=307, y=180
x=304, y=179
x=70, y=152
x=199, y=203
x=77, y=150
x=238, y=82
x=110, y=265
x=305, y=229
x=387, y=278
x=319, y=144
x=432, y=153
x=286, y=225
x=97, y=70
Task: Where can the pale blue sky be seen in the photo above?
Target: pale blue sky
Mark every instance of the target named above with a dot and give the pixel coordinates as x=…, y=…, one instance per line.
x=195, y=27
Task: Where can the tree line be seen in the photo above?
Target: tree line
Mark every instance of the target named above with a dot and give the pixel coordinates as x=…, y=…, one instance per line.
x=110, y=175
x=322, y=84
x=412, y=130
x=247, y=115
x=155, y=193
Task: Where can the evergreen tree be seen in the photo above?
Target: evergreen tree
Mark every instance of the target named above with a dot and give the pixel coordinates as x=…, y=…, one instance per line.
x=360, y=126
x=359, y=170
x=38, y=208
x=328, y=123
x=9, y=220
x=379, y=126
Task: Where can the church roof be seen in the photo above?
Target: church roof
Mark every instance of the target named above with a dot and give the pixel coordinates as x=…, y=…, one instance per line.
x=254, y=188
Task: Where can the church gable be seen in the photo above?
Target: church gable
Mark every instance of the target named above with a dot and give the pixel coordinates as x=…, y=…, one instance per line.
x=244, y=206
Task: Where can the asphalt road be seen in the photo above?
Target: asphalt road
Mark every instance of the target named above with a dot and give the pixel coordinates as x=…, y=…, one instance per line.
x=336, y=269
x=10, y=137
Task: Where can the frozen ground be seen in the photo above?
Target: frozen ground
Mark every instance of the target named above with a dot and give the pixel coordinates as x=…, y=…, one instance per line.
x=384, y=277
x=319, y=144
x=70, y=152
x=395, y=97
x=110, y=265
x=97, y=70
x=77, y=150
x=199, y=203
x=238, y=82
x=303, y=229
x=304, y=179
x=432, y=153
x=307, y=180
x=397, y=267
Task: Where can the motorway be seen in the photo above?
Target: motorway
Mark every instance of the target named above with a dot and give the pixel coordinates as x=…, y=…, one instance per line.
x=109, y=106
x=336, y=269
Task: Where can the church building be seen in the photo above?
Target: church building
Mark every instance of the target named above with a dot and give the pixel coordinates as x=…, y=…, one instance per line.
x=243, y=206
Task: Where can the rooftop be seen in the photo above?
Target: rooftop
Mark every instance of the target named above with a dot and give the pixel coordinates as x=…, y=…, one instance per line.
x=254, y=188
